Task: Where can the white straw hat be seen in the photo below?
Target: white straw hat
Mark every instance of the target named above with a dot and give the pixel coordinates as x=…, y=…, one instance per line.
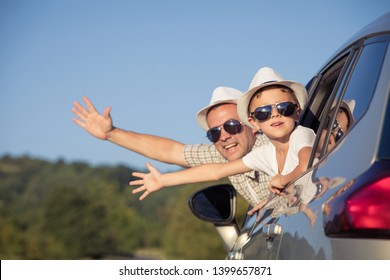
x=349, y=106
x=267, y=76
x=221, y=95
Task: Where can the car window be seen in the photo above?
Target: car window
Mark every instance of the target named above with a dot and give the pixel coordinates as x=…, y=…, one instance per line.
x=351, y=97
x=320, y=90
x=365, y=76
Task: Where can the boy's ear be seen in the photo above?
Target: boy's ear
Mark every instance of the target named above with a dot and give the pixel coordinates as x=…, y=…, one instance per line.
x=254, y=123
x=298, y=114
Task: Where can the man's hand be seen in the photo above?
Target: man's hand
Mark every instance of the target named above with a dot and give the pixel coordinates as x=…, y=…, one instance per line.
x=150, y=182
x=89, y=118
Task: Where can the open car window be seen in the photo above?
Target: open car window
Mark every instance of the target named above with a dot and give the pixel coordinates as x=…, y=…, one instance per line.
x=340, y=95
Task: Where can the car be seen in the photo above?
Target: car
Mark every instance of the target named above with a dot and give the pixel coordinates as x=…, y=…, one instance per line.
x=340, y=207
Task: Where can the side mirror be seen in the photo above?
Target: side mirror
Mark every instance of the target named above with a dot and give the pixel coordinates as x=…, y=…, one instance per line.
x=215, y=204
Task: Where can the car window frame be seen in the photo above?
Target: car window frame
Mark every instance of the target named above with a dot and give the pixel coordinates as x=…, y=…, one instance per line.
x=339, y=93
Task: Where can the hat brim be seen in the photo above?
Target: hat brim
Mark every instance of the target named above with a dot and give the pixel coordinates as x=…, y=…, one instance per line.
x=344, y=105
x=243, y=102
x=201, y=116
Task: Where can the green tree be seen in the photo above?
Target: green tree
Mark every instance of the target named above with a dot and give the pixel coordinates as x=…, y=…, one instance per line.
x=91, y=221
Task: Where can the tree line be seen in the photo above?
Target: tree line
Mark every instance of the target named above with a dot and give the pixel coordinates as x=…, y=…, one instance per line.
x=58, y=210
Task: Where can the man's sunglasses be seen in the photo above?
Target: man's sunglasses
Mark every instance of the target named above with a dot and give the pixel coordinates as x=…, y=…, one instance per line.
x=263, y=113
x=231, y=126
x=339, y=133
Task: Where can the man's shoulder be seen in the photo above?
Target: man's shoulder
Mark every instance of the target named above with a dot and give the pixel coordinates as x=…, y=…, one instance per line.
x=201, y=153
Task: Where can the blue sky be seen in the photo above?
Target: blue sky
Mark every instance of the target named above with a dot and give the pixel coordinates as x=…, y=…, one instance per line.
x=155, y=62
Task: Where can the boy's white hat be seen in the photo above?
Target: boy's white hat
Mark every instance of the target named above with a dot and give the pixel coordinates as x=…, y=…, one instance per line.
x=267, y=76
x=221, y=95
x=349, y=106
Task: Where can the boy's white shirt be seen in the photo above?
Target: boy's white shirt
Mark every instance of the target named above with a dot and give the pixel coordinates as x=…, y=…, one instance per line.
x=264, y=158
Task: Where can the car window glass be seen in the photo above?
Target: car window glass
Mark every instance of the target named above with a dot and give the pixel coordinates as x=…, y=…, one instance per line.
x=364, y=78
x=356, y=99
x=327, y=116
x=320, y=89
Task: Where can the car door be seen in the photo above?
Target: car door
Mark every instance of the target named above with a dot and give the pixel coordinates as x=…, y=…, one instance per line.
x=299, y=218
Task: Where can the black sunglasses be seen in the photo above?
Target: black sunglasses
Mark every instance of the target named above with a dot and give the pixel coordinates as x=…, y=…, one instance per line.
x=231, y=126
x=339, y=133
x=263, y=113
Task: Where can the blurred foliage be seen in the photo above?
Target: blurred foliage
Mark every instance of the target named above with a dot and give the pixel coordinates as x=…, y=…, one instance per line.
x=76, y=211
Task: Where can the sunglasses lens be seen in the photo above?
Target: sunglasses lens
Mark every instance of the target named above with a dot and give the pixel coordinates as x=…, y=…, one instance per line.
x=286, y=109
x=338, y=135
x=262, y=113
x=334, y=126
x=231, y=126
x=213, y=134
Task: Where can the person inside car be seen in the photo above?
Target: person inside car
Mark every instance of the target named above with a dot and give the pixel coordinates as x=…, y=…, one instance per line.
x=343, y=121
x=272, y=107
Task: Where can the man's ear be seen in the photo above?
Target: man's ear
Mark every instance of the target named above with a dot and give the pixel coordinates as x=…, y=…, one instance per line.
x=254, y=131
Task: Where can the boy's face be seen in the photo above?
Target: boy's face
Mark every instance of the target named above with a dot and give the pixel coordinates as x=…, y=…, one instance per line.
x=277, y=126
x=342, y=123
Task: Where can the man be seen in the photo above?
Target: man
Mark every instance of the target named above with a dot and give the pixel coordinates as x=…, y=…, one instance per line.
x=231, y=138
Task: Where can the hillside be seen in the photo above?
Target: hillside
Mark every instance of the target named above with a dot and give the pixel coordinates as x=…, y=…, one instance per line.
x=57, y=210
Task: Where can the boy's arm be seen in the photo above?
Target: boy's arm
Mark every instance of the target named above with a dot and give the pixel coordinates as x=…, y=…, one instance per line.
x=279, y=181
x=154, y=181
x=303, y=156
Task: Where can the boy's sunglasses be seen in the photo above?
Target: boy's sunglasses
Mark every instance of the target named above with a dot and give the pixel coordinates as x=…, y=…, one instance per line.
x=339, y=133
x=263, y=113
x=231, y=126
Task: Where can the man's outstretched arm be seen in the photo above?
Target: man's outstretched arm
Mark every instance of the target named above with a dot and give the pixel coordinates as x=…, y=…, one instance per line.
x=151, y=146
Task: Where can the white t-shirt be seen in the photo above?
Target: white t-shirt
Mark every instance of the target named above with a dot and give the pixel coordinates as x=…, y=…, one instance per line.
x=264, y=158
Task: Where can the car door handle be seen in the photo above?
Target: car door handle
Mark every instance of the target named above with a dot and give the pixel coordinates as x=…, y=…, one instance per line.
x=270, y=231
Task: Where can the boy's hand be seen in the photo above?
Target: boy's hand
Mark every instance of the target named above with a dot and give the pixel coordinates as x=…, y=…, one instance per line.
x=276, y=184
x=150, y=182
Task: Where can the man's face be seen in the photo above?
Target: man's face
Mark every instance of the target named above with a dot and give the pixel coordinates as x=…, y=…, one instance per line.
x=230, y=146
